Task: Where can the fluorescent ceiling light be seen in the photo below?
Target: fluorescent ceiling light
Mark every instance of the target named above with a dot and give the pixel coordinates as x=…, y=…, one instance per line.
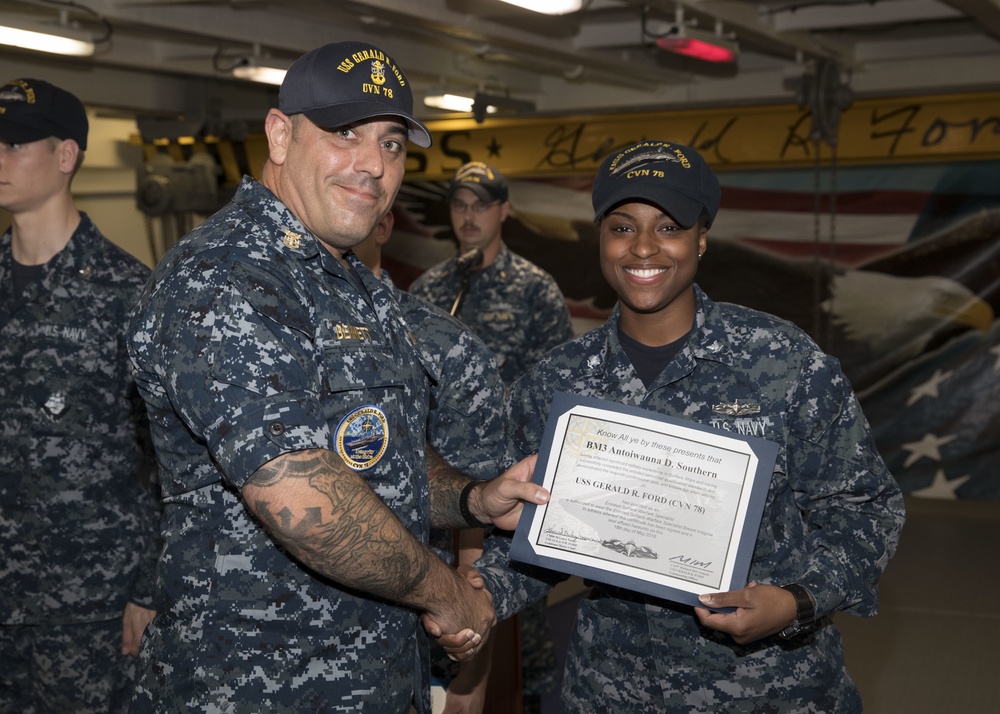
x=450, y=102
x=43, y=38
x=260, y=73
x=548, y=7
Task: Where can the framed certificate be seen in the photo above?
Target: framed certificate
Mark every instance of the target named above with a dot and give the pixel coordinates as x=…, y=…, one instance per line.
x=646, y=502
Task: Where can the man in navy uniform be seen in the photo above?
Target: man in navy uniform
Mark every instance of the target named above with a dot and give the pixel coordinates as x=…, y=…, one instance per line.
x=78, y=516
x=514, y=306
x=289, y=410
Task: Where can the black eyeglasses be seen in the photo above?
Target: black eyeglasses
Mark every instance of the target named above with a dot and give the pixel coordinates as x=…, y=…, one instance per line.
x=477, y=207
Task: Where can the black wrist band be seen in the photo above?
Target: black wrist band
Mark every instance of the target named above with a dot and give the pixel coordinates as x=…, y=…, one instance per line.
x=463, y=506
x=805, y=611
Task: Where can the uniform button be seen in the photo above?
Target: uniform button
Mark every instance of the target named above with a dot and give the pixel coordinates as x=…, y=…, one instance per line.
x=85, y=272
x=276, y=428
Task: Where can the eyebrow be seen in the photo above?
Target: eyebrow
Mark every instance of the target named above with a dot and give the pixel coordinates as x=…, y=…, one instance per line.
x=400, y=129
x=663, y=214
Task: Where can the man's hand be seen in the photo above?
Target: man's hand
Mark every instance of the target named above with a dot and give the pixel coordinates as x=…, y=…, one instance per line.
x=761, y=610
x=464, y=630
x=465, y=644
x=134, y=621
x=501, y=500
x=461, y=646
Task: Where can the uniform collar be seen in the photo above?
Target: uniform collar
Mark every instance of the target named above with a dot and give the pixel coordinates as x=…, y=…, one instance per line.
x=77, y=257
x=501, y=265
x=77, y=261
x=708, y=340
x=287, y=232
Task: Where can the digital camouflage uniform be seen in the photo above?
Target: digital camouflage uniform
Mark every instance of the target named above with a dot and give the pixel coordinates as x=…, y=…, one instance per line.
x=831, y=522
x=513, y=305
x=465, y=424
x=78, y=523
x=519, y=312
x=466, y=394
x=252, y=341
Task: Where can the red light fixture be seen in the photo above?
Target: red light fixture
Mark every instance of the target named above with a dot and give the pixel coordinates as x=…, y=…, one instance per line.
x=698, y=49
x=684, y=38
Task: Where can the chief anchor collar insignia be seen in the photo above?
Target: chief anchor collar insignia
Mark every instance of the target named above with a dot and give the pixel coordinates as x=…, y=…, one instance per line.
x=737, y=408
x=292, y=240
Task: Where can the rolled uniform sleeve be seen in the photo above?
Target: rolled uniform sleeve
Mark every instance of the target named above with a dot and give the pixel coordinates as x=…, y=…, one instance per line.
x=251, y=386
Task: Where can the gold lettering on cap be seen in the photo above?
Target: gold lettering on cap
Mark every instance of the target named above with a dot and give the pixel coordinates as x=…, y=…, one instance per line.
x=682, y=158
x=399, y=75
x=29, y=93
x=363, y=55
x=346, y=65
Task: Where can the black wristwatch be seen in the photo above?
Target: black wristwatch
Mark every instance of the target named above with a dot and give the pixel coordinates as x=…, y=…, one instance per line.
x=805, y=611
x=463, y=505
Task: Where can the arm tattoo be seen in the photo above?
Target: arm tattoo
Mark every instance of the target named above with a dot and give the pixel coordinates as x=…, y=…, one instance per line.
x=446, y=484
x=331, y=520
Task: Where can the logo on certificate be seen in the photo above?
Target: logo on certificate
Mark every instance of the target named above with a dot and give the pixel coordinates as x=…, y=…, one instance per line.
x=362, y=437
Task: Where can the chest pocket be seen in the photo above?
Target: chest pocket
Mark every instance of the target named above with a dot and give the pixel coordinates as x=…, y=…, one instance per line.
x=361, y=367
x=264, y=335
x=502, y=318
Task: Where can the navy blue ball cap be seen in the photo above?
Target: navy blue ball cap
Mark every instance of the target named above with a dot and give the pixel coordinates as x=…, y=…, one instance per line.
x=346, y=82
x=673, y=177
x=32, y=109
x=482, y=179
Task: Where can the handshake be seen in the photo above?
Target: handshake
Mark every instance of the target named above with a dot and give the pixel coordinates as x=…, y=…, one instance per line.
x=461, y=615
x=474, y=610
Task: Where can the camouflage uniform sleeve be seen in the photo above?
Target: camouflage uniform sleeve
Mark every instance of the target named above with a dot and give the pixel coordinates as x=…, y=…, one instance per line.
x=853, y=506
x=423, y=287
x=513, y=585
x=239, y=353
x=141, y=592
x=143, y=586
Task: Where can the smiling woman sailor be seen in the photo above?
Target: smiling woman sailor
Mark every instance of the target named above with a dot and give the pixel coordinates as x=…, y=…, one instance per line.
x=833, y=513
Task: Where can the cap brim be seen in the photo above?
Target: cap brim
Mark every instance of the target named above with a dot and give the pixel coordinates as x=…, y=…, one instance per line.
x=681, y=207
x=481, y=191
x=353, y=112
x=13, y=133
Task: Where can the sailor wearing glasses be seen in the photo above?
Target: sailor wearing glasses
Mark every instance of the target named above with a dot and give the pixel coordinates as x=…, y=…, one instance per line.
x=511, y=303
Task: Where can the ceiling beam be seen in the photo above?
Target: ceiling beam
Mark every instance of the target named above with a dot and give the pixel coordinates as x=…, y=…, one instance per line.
x=986, y=13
